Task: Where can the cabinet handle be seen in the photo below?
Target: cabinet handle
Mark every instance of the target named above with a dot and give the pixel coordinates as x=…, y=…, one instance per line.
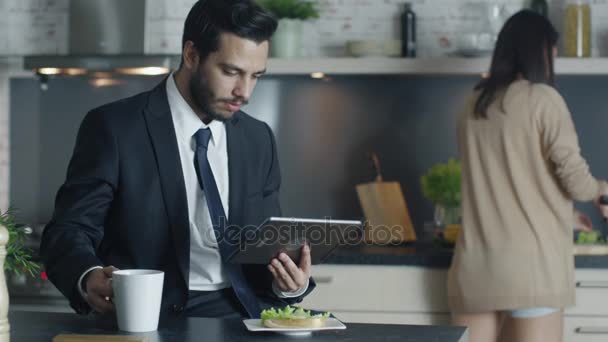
x=591, y=330
x=592, y=284
x=323, y=280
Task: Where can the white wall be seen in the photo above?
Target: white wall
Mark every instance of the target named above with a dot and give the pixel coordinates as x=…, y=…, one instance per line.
x=41, y=26
x=33, y=27
x=4, y=138
x=440, y=24
x=340, y=21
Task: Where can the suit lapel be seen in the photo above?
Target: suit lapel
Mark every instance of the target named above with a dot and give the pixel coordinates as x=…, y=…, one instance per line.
x=236, y=171
x=162, y=135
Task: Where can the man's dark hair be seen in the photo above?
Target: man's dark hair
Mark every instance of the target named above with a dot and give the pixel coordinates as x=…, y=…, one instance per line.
x=209, y=18
x=523, y=49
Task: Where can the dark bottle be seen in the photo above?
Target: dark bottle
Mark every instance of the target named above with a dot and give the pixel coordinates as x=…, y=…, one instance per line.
x=408, y=31
x=539, y=6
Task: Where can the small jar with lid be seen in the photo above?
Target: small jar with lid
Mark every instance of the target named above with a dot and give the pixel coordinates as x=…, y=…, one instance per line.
x=577, y=28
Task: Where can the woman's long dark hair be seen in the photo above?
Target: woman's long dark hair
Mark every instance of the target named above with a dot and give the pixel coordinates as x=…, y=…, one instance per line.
x=523, y=49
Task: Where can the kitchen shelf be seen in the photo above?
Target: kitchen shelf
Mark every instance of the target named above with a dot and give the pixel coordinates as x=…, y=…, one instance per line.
x=418, y=66
x=328, y=66
x=378, y=66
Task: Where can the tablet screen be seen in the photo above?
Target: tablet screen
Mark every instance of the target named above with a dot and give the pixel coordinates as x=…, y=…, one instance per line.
x=288, y=235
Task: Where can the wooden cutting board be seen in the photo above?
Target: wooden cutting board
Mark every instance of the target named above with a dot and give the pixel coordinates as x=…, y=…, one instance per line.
x=386, y=214
x=590, y=249
x=100, y=338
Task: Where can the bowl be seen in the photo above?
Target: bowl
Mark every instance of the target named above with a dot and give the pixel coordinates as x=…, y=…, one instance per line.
x=373, y=48
x=475, y=44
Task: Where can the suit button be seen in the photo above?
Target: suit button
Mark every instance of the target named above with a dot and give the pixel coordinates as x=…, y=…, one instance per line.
x=177, y=308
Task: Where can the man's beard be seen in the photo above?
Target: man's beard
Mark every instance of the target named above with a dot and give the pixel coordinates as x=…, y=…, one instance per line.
x=203, y=97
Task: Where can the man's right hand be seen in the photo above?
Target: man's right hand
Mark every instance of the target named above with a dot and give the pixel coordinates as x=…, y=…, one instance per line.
x=99, y=289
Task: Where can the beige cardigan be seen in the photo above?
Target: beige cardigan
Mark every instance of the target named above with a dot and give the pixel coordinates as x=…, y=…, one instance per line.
x=521, y=169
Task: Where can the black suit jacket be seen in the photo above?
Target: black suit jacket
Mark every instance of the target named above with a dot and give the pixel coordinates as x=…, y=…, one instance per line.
x=124, y=202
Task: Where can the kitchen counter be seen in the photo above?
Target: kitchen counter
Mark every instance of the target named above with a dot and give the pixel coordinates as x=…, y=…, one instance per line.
x=424, y=255
x=35, y=326
x=43, y=297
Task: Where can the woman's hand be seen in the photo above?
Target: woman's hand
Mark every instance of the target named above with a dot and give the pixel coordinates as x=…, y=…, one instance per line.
x=582, y=222
x=603, y=207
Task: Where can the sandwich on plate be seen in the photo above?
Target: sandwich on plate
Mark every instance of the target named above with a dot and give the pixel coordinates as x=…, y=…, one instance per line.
x=292, y=317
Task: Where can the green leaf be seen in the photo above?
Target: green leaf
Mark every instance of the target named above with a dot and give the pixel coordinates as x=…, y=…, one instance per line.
x=18, y=257
x=290, y=312
x=588, y=237
x=441, y=183
x=291, y=9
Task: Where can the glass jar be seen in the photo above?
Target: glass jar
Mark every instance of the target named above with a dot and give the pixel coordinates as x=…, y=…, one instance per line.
x=449, y=220
x=479, y=28
x=577, y=28
x=446, y=215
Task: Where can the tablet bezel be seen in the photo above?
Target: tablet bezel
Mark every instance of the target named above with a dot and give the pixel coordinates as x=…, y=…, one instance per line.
x=263, y=253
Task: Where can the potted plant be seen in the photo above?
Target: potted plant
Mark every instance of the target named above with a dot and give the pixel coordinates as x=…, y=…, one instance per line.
x=19, y=259
x=441, y=185
x=291, y=13
x=16, y=259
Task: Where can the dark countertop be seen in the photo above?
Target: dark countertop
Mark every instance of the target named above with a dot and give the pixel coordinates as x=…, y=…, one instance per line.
x=35, y=326
x=424, y=255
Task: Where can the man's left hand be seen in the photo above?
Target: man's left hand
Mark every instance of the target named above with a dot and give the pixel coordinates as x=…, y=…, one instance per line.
x=288, y=276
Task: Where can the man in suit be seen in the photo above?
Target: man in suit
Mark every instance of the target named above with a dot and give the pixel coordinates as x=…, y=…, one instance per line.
x=156, y=178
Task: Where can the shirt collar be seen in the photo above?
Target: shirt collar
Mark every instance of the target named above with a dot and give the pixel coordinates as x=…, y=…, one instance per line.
x=186, y=122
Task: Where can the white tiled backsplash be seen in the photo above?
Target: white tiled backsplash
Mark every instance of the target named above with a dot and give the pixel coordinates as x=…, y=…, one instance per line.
x=33, y=27
x=41, y=26
x=440, y=23
x=4, y=138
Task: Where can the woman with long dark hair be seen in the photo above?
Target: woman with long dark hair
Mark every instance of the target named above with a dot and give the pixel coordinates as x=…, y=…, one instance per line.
x=513, y=269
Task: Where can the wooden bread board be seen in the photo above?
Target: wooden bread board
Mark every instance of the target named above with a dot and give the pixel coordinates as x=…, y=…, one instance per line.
x=590, y=249
x=385, y=209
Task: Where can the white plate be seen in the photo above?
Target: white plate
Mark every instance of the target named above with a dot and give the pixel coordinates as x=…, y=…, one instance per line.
x=330, y=324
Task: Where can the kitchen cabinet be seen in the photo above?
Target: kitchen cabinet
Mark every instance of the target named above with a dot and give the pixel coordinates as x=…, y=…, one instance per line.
x=588, y=320
x=400, y=294
x=585, y=329
x=381, y=294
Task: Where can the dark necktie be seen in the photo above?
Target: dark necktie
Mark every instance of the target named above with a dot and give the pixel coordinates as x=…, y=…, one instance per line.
x=218, y=218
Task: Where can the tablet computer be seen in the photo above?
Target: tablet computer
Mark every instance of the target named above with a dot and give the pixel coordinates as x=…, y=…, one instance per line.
x=288, y=235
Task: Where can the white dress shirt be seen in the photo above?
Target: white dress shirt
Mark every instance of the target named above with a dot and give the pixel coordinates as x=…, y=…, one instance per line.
x=206, y=270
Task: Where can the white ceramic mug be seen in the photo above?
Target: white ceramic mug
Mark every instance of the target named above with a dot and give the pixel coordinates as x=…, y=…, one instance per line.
x=137, y=298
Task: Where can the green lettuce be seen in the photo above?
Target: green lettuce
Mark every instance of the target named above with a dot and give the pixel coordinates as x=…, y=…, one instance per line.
x=290, y=312
x=589, y=237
